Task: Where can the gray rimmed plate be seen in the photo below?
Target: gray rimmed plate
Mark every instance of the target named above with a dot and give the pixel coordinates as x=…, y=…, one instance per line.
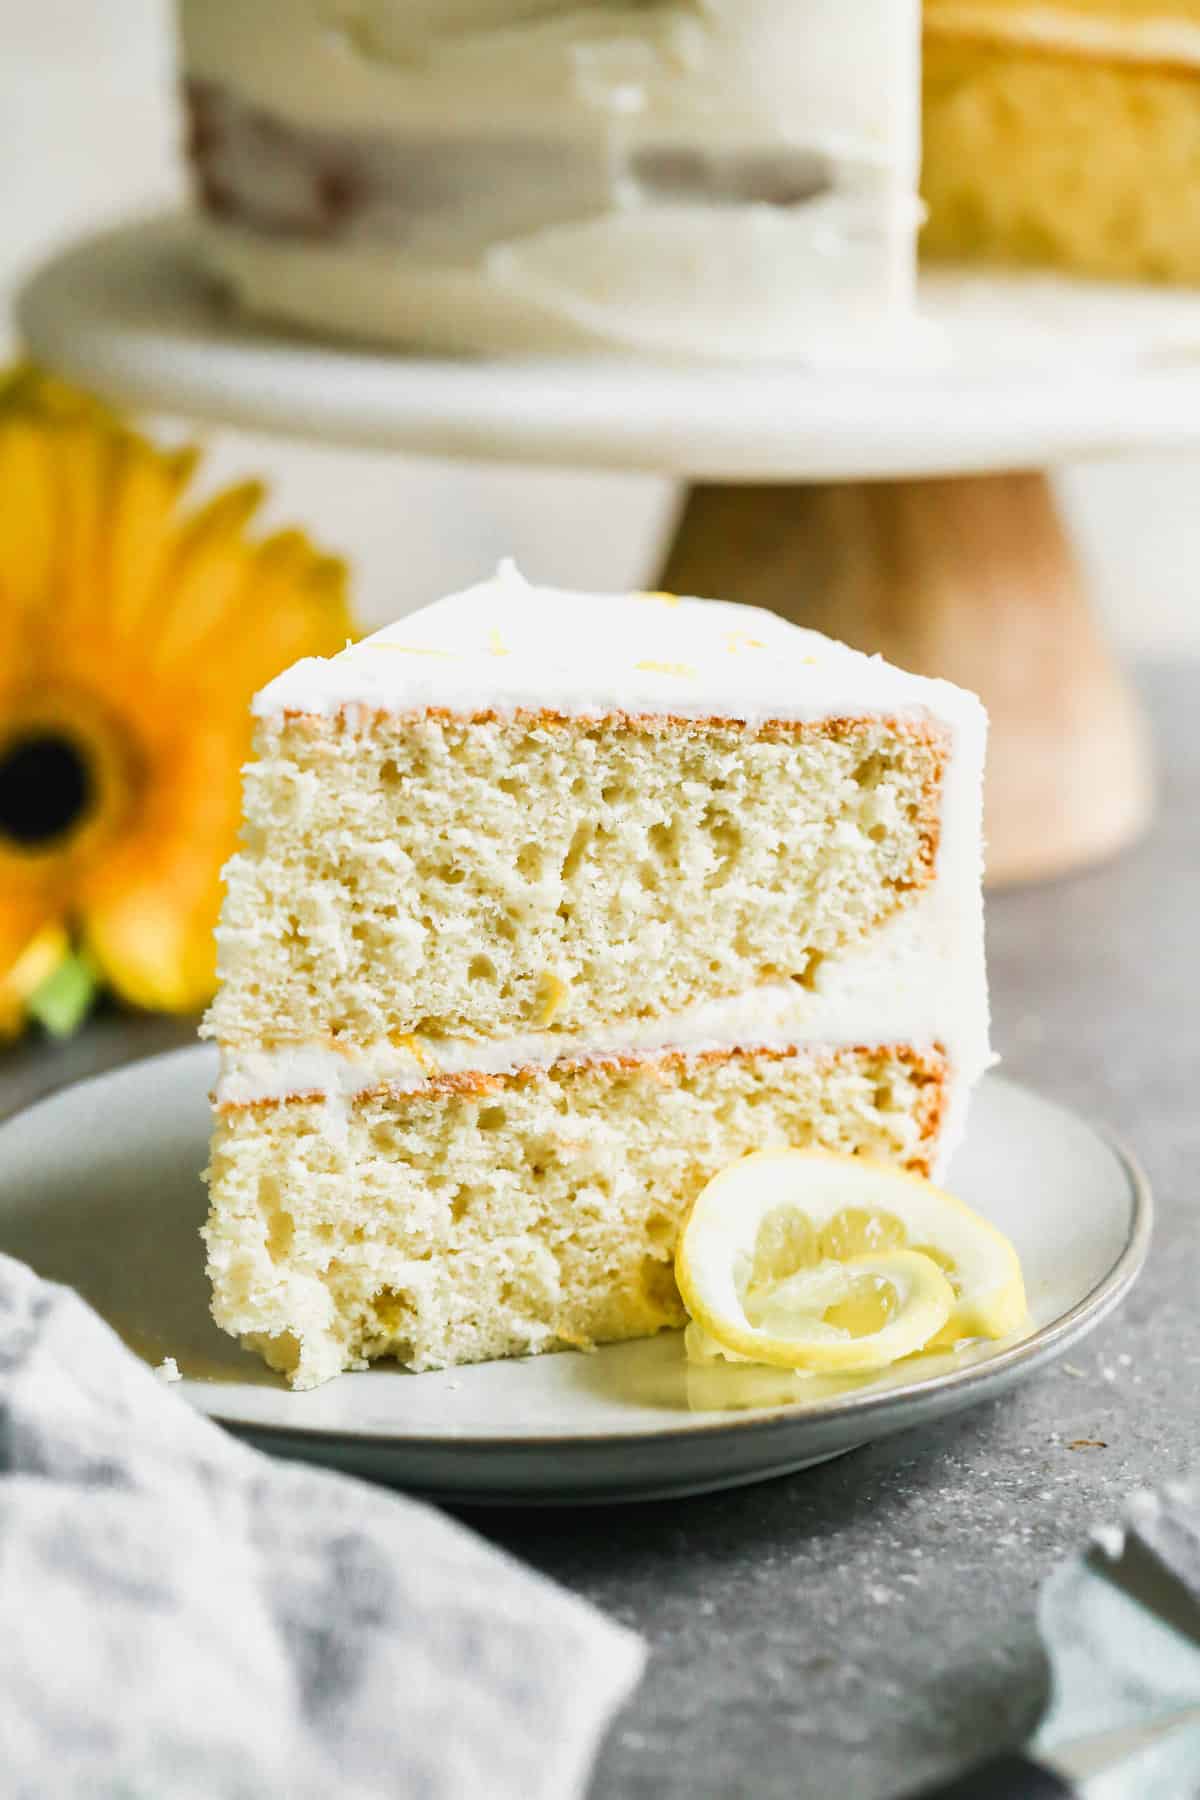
x=100, y=1188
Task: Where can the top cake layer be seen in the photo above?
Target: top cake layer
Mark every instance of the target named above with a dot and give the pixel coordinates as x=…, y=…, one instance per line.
x=527, y=824
x=506, y=646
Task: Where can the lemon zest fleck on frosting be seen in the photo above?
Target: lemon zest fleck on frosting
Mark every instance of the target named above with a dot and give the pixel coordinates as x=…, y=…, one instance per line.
x=409, y=649
x=683, y=670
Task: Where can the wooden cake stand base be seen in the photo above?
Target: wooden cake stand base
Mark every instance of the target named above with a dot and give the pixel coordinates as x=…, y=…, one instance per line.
x=972, y=578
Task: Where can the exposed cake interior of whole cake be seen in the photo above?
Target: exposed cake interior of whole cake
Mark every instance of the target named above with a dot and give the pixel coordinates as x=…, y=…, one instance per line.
x=549, y=906
x=1065, y=132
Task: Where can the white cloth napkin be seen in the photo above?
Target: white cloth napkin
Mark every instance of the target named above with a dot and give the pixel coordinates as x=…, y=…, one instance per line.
x=181, y=1616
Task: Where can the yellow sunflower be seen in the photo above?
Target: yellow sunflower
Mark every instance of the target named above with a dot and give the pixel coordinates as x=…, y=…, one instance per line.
x=132, y=634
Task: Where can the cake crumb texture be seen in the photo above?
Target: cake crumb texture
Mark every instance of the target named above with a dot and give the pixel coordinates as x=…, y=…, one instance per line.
x=1037, y=156
x=449, y=877
x=530, y=1213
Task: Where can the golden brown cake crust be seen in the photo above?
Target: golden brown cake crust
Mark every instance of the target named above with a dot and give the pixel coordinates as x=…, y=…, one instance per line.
x=1004, y=45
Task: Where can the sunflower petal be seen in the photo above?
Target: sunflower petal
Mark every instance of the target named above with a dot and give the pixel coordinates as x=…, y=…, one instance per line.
x=85, y=463
x=143, y=530
x=154, y=944
x=205, y=574
x=293, y=603
x=289, y=602
x=28, y=521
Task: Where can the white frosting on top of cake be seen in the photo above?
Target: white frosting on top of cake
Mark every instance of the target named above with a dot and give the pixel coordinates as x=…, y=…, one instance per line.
x=505, y=646
x=748, y=71
x=1164, y=38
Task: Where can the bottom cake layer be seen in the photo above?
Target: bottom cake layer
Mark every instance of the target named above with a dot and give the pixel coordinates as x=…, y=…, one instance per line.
x=481, y=1217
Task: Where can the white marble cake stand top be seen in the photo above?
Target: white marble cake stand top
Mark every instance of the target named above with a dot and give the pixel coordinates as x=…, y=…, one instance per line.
x=1026, y=371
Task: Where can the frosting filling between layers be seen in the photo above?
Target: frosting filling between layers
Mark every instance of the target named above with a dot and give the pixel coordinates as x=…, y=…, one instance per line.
x=252, y=1078
x=905, y=986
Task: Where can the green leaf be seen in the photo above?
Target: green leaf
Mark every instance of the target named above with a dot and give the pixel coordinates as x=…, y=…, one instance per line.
x=64, y=999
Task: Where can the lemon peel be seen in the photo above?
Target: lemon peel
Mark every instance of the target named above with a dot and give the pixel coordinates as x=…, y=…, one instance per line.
x=780, y=1242
x=790, y=1330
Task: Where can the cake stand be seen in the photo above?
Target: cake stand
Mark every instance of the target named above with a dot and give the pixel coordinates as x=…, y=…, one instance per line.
x=901, y=507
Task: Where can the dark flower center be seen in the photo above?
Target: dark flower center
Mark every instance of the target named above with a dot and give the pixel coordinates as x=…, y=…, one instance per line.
x=46, y=788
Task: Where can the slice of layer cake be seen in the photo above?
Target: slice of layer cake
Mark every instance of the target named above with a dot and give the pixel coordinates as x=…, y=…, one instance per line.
x=1065, y=133
x=735, y=179
x=549, y=906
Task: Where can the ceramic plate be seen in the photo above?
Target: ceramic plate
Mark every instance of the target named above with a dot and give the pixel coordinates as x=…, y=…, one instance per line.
x=100, y=1188
x=1019, y=371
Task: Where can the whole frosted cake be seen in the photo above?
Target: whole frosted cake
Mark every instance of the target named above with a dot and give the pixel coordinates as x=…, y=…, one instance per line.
x=549, y=906
x=732, y=178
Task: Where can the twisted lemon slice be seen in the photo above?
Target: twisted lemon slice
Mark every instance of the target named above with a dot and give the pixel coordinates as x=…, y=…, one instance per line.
x=807, y=1260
